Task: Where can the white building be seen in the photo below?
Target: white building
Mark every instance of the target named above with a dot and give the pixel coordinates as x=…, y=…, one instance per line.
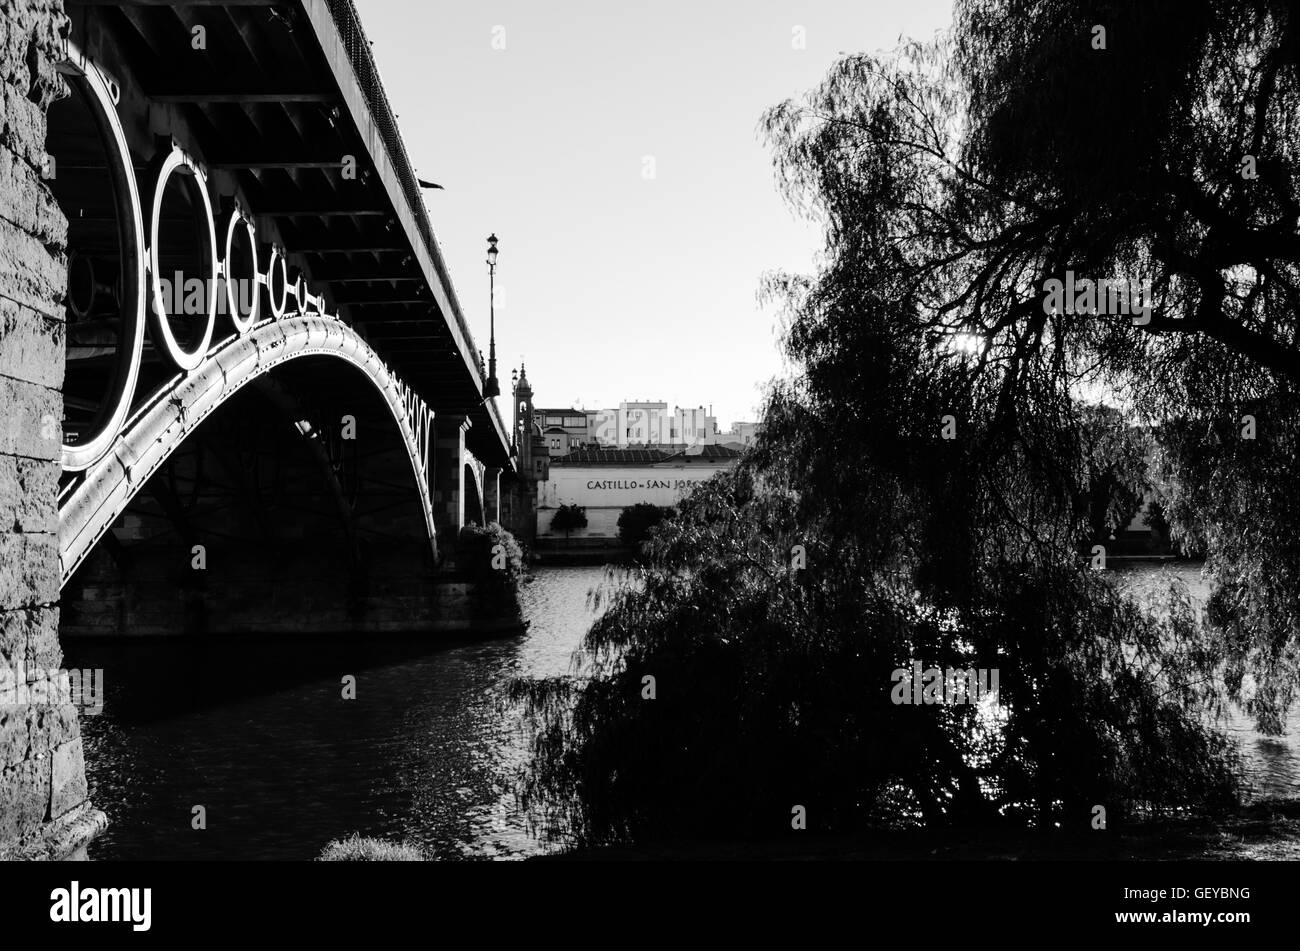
x=562, y=428
x=602, y=427
x=694, y=427
x=651, y=423
x=606, y=481
x=742, y=435
x=641, y=423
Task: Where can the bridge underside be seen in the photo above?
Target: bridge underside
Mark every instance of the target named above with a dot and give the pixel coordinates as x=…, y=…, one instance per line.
x=281, y=144
x=292, y=508
x=283, y=110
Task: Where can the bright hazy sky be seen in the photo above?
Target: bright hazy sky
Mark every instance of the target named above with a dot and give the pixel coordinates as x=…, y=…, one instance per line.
x=610, y=285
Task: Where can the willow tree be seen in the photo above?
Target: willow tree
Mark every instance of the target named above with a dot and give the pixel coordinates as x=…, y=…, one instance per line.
x=1175, y=150
x=924, y=485
x=1154, y=144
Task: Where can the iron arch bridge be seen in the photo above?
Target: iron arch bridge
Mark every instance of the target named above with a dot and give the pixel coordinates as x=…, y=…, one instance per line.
x=149, y=436
x=284, y=447
x=256, y=314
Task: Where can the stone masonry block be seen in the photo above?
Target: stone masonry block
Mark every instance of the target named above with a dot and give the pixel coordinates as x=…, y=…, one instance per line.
x=28, y=495
x=29, y=570
x=31, y=345
x=32, y=425
x=31, y=273
x=67, y=778
x=24, y=798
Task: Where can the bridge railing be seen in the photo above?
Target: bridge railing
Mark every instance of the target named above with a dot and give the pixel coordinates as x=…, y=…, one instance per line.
x=419, y=418
x=357, y=45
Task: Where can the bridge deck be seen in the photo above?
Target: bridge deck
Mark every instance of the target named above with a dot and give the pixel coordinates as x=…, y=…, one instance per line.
x=273, y=108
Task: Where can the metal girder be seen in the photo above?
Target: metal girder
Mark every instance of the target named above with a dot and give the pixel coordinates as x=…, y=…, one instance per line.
x=161, y=425
x=176, y=3
x=360, y=249
x=377, y=301
x=329, y=211
x=370, y=279
x=263, y=163
x=203, y=97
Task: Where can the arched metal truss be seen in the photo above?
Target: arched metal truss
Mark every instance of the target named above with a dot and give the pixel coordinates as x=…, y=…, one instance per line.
x=128, y=447
x=161, y=425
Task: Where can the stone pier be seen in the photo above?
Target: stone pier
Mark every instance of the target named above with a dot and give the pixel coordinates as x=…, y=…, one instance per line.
x=44, y=808
x=449, y=478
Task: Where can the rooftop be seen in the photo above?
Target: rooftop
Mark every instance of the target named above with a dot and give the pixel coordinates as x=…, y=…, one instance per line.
x=710, y=452
x=646, y=456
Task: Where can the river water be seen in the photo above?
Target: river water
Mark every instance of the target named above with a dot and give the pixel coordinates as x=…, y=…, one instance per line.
x=1272, y=763
x=257, y=733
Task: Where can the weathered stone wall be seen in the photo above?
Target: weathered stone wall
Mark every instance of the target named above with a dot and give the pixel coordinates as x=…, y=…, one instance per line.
x=295, y=593
x=44, y=810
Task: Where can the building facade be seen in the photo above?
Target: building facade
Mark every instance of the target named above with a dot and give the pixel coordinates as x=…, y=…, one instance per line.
x=633, y=423
x=605, y=460
x=740, y=436
x=607, y=480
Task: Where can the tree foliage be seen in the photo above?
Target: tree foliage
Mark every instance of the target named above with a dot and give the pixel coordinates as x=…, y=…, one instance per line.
x=567, y=518
x=491, y=558
x=941, y=455
x=956, y=179
x=773, y=688
x=636, y=521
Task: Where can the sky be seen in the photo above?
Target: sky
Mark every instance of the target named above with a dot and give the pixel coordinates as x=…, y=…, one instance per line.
x=614, y=150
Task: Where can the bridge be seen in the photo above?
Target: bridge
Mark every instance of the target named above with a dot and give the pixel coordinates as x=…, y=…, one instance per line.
x=237, y=390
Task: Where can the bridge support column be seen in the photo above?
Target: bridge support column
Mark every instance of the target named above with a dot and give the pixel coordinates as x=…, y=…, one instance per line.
x=44, y=808
x=449, y=478
x=492, y=495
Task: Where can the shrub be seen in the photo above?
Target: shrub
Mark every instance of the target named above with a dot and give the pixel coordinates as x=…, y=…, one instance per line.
x=491, y=559
x=636, y=521
x=358, y=848
x=567, y=518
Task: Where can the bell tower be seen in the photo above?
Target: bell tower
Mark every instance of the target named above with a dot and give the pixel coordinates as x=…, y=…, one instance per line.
x=524, y=421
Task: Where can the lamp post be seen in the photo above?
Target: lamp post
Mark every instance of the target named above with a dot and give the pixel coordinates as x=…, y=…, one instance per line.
x=514, y=402
x=491, y=388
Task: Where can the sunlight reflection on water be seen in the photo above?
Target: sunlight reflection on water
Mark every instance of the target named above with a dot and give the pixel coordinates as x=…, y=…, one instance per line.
x=1272, y=763
x=258, y=734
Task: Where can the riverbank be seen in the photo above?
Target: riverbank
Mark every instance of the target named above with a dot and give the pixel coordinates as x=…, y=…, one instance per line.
x=1263, y=831
x=550, y=553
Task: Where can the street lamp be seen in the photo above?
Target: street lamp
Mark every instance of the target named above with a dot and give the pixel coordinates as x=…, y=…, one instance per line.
x=491, y=388
x=514, y=402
